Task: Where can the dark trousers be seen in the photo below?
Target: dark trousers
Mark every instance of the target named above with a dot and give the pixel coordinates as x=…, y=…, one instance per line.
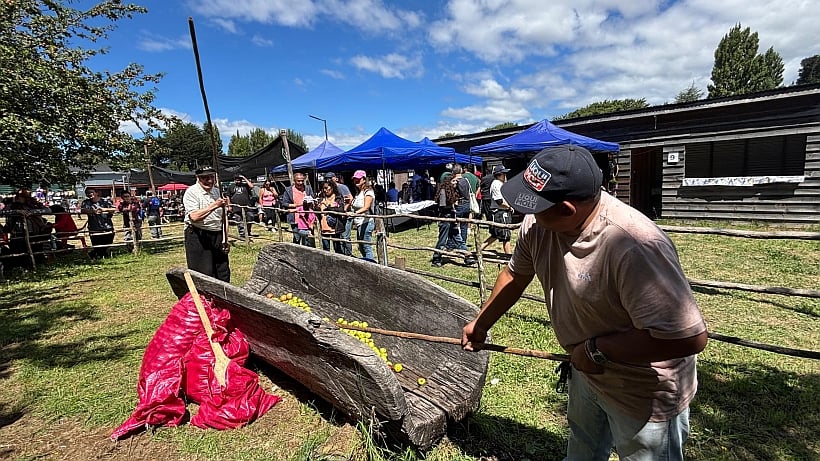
x=486, y=210
x=101, y=238
x=203, y=252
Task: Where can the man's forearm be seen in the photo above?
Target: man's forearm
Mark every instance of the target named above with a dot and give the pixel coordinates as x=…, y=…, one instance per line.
x=638, y=346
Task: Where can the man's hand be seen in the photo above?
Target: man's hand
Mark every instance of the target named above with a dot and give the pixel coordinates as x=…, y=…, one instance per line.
x=581, y=361
x=472, y=334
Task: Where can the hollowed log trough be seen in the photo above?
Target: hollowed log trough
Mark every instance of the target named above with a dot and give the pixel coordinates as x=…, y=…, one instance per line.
x=341, y=369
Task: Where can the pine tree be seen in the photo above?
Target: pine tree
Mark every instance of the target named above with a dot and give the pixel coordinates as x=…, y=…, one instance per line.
x=690, y=94
x=809, y=71
x=739, y=69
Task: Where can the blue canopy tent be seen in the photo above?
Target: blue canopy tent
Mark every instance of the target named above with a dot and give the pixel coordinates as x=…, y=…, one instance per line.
x=463, y=159
x=539, y=136
x=317, y=159
x=386, y=150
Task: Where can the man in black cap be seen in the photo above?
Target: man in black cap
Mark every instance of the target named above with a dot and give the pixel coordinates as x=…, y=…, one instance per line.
x=501, y=211
x=242, y=201
x=618, y=302
x=204, y=250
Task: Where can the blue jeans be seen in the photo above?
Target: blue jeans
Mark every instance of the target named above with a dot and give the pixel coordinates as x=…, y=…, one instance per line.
x=463, y=211
x=365, y=232
x=305, y=238
x=347, y=247
x=338, y=247
x=595, y=426
x=446, y=233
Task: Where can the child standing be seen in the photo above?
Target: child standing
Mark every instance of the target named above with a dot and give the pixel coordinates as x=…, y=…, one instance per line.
x=305, y=218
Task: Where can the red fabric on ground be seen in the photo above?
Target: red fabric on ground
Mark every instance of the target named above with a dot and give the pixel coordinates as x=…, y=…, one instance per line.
x=178, y=365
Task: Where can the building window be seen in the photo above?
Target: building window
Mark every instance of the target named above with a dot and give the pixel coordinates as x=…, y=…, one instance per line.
x=769, y=156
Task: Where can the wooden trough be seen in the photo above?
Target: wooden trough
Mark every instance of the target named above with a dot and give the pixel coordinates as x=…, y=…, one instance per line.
x=341, y=369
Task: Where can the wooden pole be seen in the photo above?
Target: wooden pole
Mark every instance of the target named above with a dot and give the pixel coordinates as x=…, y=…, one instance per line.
x=286, y=151
x=225, y=246
x=482, y=283
x=27, y=236
x=444, y=339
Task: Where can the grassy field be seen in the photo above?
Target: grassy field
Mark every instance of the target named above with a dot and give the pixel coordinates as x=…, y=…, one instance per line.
x=73, y=332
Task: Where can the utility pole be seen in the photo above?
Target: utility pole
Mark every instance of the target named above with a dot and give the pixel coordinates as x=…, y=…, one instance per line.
x=321, y=120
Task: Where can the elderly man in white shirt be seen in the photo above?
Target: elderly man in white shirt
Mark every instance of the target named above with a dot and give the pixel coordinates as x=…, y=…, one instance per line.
x=204, y=210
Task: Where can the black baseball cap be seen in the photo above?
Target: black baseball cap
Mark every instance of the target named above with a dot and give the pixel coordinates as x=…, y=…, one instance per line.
x=555, y=174
x=205, y=171
x=498, y=169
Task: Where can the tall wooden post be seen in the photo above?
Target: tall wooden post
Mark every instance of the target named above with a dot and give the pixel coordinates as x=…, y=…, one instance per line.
x=286, y=151
x=148, y=165
x=482, y=283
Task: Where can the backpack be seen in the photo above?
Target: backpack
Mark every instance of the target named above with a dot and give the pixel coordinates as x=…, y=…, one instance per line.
x=154, y=204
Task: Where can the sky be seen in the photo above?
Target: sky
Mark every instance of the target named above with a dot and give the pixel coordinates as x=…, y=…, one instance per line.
x=426, y=68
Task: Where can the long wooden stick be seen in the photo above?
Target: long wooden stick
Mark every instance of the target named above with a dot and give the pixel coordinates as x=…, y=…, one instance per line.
x=221, y=360
x=444, y=339
x=225, y=246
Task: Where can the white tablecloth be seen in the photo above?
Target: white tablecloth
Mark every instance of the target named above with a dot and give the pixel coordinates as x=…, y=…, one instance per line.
x=410, y=207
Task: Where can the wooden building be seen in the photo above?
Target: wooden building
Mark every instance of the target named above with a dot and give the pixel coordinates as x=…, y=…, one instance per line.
x=749, y=158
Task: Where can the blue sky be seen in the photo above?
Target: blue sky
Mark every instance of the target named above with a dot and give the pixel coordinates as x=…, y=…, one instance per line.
x=424, y=68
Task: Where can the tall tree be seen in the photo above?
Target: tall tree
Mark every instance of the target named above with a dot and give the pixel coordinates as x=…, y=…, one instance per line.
x=58, y=117
x=259, y=138
x=739, y=69
x=217, y=139
x=239, y=145
x=297, y=138
x=188, y=145
x=809, y=71
x=690, y=94
x=604, y=107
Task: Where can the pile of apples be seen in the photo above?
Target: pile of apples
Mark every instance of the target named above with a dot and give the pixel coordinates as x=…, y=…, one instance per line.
x=364, y=336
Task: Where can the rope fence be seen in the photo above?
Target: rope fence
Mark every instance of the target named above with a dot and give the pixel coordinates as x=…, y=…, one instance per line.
x=382, y=243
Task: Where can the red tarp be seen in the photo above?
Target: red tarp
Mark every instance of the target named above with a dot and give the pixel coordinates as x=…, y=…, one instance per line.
x=178, y=366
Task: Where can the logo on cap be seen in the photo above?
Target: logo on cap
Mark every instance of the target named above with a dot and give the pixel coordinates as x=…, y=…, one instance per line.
x=528, y=201
x=536, y=177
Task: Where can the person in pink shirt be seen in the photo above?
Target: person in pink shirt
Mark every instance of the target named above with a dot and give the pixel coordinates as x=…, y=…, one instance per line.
x=305, y=219
x=267, y=201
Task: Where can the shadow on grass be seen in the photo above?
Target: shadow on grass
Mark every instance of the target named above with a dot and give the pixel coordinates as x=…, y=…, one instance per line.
x=479, y=435
x=32, y=321
x=494, y=437
x=755, y=412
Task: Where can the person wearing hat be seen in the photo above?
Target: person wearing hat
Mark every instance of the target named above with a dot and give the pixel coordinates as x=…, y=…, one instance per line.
x=500, y=211
x=618, y=303
x=204, y=209
x=241, y=194
x=363, y=204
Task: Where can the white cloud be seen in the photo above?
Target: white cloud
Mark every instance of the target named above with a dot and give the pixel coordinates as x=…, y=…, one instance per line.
x=561, y=55
x=259, y=40
x=371, y=15
x=226, y=24
x=335, y=74
x=393, y=65
x=283, y=12
x=157, y=43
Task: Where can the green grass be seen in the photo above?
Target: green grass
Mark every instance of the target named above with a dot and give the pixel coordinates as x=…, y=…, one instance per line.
x=72, y=335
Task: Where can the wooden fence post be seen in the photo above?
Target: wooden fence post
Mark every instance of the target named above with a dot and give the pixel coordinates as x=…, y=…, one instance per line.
x=482, y=286
x=27, y=236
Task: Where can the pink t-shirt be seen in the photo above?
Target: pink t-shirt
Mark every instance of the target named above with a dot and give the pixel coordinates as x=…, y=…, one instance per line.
x=304, y=219
x=621, y=272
